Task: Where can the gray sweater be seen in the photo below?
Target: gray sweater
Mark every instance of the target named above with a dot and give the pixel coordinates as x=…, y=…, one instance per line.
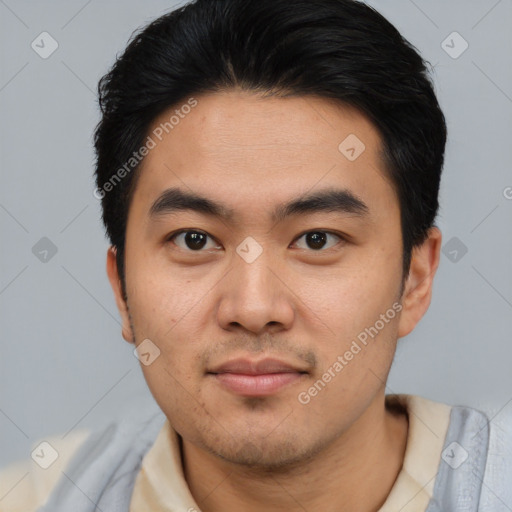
x=101, y=475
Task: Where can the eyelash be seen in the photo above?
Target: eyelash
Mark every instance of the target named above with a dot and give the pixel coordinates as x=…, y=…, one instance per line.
x=328, y=232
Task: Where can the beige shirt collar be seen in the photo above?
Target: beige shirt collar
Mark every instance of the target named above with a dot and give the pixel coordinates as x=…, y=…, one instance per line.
x=160, y=485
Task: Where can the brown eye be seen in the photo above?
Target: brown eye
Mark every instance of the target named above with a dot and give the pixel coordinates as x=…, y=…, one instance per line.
x=192, y=240
x=318, y=240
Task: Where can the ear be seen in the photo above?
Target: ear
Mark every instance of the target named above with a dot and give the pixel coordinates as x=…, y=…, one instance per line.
x=115, y=283
x=418, y=287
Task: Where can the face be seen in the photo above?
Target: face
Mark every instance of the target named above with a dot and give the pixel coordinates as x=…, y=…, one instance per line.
x=274, y=300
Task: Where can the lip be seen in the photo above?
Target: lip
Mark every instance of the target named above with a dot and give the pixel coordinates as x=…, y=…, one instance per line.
x=256, y=378
x=260, y=367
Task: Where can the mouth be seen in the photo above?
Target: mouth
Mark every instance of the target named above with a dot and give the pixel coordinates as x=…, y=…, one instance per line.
x=256, y=378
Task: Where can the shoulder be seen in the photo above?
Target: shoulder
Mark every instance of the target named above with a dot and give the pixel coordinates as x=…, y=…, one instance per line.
x=26, y=484
x=476, y=461
x=496, y=493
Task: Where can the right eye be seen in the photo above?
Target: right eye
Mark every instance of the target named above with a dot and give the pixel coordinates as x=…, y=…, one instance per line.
x=191, y=240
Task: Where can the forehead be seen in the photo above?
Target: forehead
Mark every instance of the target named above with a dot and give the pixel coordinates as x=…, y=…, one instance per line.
x=251, y=152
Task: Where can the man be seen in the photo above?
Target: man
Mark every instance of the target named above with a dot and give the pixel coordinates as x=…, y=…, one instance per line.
x=269, y=177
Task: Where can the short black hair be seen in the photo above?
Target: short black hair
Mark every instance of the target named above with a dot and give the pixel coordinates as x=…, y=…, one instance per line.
x=338, y=49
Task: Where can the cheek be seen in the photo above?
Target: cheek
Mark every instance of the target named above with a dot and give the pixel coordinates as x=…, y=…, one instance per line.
x=173, y=390
x=358, y=308
x=352, y=367
x=351, y=299
x=170, y=312
x=158, y=300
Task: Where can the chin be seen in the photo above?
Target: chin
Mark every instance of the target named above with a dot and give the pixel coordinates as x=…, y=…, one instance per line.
x=265, y=453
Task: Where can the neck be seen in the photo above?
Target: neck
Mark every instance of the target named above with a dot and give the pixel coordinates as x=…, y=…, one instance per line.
x=355, y=473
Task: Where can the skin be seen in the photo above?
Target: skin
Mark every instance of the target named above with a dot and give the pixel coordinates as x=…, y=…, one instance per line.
x=344, y=449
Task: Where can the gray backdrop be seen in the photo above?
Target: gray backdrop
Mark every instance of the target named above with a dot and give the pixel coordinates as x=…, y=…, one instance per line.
x=63, y=362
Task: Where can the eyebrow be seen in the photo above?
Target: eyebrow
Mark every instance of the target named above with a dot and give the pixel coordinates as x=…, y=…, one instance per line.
x=343, y=201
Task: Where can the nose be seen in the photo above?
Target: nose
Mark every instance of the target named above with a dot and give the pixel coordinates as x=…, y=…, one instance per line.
x=254, y=296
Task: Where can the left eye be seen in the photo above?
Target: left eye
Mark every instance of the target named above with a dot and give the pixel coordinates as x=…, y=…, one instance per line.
x=318, y=239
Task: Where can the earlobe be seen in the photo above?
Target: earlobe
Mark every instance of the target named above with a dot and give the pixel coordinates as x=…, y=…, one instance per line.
x=418, y=288
x=115, y=283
